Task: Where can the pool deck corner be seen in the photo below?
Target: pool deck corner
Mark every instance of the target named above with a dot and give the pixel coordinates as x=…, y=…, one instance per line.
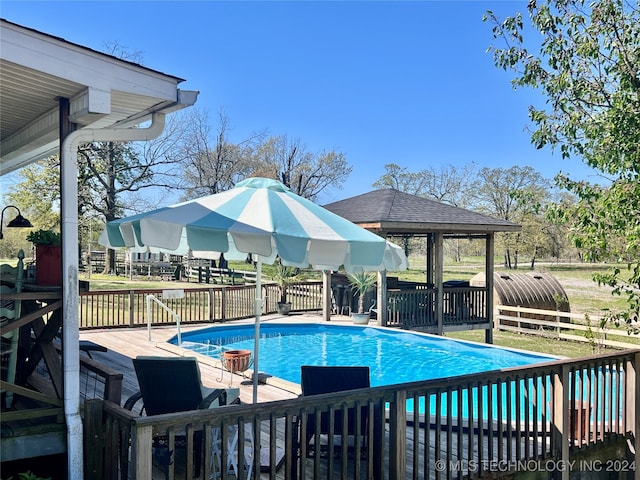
x=125, y=344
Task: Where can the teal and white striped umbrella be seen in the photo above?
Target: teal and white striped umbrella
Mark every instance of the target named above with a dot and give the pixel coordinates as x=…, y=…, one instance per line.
x=264, y=218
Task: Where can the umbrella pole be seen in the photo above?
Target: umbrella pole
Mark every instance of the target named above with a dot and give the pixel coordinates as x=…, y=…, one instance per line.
x=258, y=311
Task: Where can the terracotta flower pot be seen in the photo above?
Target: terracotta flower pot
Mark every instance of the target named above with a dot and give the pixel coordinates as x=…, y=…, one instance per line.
x=237, y=360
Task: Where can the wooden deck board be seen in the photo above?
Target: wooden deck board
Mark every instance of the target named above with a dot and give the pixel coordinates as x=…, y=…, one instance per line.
x=125, y=344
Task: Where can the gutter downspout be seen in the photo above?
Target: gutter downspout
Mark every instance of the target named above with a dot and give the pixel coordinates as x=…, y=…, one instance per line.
x=69, y=218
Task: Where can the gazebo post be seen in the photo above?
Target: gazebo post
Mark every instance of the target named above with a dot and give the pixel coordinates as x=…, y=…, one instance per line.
x=429, y=265
x=488, y=333
x=381, y=300
x=439, y=280
x=326, y=295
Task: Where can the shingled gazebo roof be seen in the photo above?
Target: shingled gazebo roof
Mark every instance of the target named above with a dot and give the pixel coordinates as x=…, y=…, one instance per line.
x=391, y=212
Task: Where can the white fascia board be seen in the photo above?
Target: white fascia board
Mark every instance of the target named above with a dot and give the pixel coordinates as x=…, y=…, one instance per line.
x=83, y=66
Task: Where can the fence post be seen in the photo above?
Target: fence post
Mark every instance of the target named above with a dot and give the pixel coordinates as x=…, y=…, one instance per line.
x=398, y=435
x=560, y=416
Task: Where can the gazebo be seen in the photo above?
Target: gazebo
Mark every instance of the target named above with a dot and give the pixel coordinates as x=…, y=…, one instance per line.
x=434, y=306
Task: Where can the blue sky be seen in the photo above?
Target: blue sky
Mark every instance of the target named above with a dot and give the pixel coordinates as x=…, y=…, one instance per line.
x=383, y=82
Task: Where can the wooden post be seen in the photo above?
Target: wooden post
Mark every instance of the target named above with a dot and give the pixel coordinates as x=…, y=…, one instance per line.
x=488, y=334
x=93, y=439
x=560, y=417
x=141, y=452
x=429, y=265
x=633, y=402
x=113, y=387
x=132, y=297
x=439, y=280
x=223, y=303
x=326, y=295
x=382, y=298
x=398, y=435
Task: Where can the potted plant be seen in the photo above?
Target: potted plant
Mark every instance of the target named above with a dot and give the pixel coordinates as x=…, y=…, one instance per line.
x=48, y=256
x=284, y=276
x=360, y=283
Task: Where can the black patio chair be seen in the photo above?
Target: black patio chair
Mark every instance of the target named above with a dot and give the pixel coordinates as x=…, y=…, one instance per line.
x=316, y=380
x=170, y=385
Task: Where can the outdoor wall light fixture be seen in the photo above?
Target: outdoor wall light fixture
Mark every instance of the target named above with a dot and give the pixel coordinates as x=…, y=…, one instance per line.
x=18, y=222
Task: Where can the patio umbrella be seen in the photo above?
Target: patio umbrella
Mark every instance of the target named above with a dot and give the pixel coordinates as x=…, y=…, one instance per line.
x=264, y=218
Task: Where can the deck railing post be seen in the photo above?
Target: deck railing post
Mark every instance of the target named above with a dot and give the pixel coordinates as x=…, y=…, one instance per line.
x=141, y=451
x=223, y=304
x=397, y=435
x=132, y=296
x=93, y=439
x=632, y=371
x=212, y=304
x=560, y=416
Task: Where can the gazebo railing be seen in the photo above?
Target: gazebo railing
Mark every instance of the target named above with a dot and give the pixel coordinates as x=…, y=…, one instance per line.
x=416, y=307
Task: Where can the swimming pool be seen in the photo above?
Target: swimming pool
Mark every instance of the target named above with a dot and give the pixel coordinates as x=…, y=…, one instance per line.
x=393, y=356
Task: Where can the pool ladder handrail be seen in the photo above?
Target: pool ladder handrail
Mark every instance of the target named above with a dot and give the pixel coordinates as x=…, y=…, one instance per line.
x=155, y=299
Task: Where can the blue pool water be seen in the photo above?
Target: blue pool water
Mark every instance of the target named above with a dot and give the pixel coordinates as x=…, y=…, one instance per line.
x=392, y=356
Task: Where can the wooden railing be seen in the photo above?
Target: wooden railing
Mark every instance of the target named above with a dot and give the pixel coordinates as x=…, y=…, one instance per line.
x=459, y=426
x=408, y=308
x=565, y=326
x=416, y=308
x=128, y=308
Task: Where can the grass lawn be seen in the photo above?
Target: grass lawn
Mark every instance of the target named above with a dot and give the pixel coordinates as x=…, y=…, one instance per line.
x=531, y=343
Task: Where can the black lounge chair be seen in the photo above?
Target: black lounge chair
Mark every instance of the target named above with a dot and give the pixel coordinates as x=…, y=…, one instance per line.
x=316, y=380
x=170, y=385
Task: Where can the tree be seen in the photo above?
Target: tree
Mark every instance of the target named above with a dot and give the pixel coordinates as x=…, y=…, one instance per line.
x=587, y=69
x=106, y=171
x=36, y=193
x=211, y=162
x=305, y=173
x=448, y=184
x=514, y=194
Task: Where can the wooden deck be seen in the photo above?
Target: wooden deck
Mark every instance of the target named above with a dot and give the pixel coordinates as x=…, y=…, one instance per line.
x=125, y=344
x=413, y=446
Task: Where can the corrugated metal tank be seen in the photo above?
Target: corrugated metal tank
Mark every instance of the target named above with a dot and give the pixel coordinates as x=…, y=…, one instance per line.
x=530, y=290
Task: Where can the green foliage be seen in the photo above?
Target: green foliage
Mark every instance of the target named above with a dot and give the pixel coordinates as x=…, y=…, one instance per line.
x=37, y=193
x=29, y=475
x=560, y=300
x=361, y=282
x=516, y=194
x=587, y=68
x=44, y=237
x=284, y=276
